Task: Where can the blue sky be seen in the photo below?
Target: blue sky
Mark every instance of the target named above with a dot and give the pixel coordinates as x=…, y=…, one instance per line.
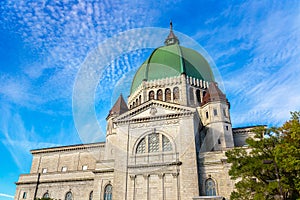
x=254, y=44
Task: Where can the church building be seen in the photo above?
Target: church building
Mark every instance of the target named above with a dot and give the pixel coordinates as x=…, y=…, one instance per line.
x=168, y=142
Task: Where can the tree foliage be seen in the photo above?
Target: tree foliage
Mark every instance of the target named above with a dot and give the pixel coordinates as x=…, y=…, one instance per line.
x=270, y=165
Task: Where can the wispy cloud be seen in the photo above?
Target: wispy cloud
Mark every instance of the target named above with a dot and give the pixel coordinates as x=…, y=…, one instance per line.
x=19, y=139
x=6, y=195
x=261, y=79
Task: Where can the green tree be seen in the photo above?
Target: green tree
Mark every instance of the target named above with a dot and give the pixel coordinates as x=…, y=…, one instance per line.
x=269, y=166
x=287, y=154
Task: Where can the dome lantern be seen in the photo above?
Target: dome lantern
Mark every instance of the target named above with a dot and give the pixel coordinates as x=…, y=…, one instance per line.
x=171, y=39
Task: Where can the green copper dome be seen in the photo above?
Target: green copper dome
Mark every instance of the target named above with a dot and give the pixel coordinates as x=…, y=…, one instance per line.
x=170, y=61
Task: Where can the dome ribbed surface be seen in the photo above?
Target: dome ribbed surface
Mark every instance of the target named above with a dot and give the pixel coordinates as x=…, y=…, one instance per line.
x=170, y=61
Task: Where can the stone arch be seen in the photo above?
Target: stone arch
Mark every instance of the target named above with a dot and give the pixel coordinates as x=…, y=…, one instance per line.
x=212, y=190
x=107, y=195
x=168, y=95
x=69, y=195
x=176, y=94
x=151, y=95
x=160, y=95
x=91, y=195
x=141, y=144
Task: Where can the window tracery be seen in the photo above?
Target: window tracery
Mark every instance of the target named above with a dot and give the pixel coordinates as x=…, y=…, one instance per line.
x=141, y=147
x=154, y=142
x=166, y=144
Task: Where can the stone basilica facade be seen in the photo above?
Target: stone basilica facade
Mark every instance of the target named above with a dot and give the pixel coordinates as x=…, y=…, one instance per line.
x=168, y=142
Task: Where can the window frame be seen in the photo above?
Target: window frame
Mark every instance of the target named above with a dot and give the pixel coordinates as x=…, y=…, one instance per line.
x=107, y=193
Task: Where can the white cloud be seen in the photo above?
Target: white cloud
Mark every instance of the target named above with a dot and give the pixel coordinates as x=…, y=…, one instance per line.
x=6, y=195
x=263, y=87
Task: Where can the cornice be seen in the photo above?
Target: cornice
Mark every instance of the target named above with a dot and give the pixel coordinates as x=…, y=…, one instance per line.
x=69, y=148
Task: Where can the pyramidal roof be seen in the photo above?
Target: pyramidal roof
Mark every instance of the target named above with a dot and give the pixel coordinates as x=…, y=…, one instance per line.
x=171, y=39
x=119, y=107
x=213, y=94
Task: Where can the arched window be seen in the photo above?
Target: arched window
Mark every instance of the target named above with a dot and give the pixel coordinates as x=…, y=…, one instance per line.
x=69, y=196
x=151, y=95
x=166, y=144
x=176, y=94
x=133, y=105
x=141, y=146
x=154, y=142
x=140, y=100
x=108, y=192
x=137, y=102
x=198, y=96
x=168, y=95
x=159, y=95
x=46, y=195
x=210, y=187
x=91, y=195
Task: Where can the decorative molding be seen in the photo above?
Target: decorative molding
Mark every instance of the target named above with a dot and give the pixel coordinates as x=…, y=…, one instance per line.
x=103, y=171
x=69, y=148
x=132, y=177
x=55, y=181
x=156, y=123
x=177, y=163
x=175, y=175
x=181, y=111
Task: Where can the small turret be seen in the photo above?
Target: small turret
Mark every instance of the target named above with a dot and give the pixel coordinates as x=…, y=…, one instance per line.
x=215, y=117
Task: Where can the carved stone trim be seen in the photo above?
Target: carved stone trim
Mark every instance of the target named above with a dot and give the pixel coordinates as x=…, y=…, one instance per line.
x=155, y=165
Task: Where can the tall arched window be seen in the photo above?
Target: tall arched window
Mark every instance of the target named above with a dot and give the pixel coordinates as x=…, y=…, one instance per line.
x=46, y=195
x=176, y=94
x=210, y=187
x=140, y=100
x=108, y=192
x=91, y=195
x=168, y=95
x=159, y=95
x=69, y=196
x=198, y=96
x=151, y=95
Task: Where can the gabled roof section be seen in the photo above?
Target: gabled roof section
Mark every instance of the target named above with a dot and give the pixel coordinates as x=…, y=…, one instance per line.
x=155, y=109
x=119, y=107
x=213, y=94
